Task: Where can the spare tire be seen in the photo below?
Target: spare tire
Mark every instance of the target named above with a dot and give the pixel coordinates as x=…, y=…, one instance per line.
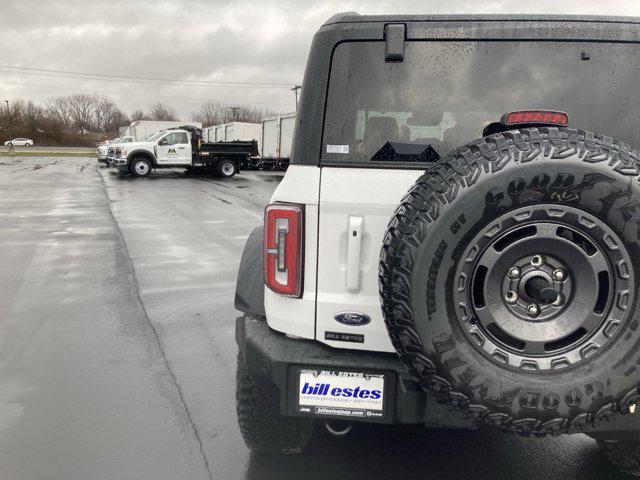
x=508, y=279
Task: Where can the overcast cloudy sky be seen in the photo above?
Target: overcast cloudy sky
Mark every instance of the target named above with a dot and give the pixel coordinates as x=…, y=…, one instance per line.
x=226, y=41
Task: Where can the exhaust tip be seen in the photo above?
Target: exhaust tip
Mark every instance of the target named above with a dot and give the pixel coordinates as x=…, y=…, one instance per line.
x=338, y=428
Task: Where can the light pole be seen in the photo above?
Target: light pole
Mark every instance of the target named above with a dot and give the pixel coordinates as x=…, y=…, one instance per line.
x=295, y=90
x=8, y=123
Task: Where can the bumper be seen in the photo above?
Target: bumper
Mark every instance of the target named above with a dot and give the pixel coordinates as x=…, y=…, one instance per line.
x=273, y=360
x=119, y=163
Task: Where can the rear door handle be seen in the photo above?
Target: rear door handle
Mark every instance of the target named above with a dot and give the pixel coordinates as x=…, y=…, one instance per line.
x=353, y=254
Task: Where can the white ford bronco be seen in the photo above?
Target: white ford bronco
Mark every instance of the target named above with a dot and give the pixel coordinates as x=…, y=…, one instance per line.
x=457, y=238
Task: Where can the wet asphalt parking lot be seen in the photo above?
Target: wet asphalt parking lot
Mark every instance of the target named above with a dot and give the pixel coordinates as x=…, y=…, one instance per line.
x=117, y=351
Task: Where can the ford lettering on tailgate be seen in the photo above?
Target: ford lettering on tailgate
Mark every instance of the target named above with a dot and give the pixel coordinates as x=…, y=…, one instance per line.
x=353, y=319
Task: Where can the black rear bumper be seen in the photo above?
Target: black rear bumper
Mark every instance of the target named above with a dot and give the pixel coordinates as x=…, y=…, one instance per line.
x=274, y=359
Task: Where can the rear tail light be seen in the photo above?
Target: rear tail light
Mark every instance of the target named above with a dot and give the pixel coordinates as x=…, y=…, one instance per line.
x=283, y=242
x=545, y=117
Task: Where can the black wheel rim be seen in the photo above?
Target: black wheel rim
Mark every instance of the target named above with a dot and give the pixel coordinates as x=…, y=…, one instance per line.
x=543, y=287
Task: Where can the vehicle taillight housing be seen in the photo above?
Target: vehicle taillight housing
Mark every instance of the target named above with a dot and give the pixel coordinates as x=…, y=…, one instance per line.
x=283, y=248
x=545, y=117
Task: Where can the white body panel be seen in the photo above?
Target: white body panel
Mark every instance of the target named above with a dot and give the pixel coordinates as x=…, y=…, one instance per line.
x=270, y=137
x=207, y=134
x=357, y=200
x=243, y=131
x=340, y=269
x=277, y=136
x=219, y=133
x=175, y=154
x=296, y=316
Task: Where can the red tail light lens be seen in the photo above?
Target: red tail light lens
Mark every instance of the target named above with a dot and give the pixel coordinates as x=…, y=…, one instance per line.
x=283, y=242
x=546, y=117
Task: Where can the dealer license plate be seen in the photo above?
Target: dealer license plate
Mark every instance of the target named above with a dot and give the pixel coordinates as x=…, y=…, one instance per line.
x=341, y=394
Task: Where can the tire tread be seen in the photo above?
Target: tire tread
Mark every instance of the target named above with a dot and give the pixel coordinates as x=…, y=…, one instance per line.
x=406, y=230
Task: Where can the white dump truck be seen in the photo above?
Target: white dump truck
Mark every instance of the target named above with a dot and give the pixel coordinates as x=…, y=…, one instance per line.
x=183, y=147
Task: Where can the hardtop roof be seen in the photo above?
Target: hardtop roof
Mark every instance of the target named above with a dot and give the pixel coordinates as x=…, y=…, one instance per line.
x=354, y=17
x=352, y=27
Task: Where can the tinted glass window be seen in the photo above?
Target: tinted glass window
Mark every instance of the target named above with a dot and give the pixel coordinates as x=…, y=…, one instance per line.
x=176, y=137
x=445, y=93
x=154, y=136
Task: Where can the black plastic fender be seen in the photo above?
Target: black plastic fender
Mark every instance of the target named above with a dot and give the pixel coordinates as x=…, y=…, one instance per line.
x=250, y=283
x=142, y=153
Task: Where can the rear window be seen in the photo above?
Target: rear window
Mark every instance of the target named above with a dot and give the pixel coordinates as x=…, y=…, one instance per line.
x=445, y=92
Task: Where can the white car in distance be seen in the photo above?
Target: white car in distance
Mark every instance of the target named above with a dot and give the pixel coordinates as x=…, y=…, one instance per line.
x=19, y=142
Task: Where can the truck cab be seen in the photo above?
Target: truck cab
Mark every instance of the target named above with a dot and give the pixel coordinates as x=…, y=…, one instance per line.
x=166, y=148
x=455, y=242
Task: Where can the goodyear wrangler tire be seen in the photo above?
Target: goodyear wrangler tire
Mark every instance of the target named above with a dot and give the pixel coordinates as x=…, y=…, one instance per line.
x=261, y=425
x=508, y=279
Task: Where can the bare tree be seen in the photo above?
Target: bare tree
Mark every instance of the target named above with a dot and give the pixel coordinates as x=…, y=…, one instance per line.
x=83, y=108
x=13, y=115
x=59, y=109
x=251, y=114
x=138, y=115
x=116, y=120
x=214, y=113
x=160, y=111
x=85, y=112
x=83, y=118
x=33, y=116
x=108, y=117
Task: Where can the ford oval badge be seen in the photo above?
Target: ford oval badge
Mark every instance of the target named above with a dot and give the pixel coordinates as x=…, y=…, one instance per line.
x=353, y=319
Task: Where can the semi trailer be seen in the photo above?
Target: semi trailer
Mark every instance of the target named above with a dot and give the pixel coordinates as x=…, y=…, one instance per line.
x=243, y=131
x=277, y=138
x=274, y=137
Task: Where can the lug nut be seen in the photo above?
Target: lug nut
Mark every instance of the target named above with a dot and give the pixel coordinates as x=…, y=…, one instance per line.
x=558, y=301
x=514, y=272
x=533, y=310
x=558, y=275
x=511, y=297
x=537, y=261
